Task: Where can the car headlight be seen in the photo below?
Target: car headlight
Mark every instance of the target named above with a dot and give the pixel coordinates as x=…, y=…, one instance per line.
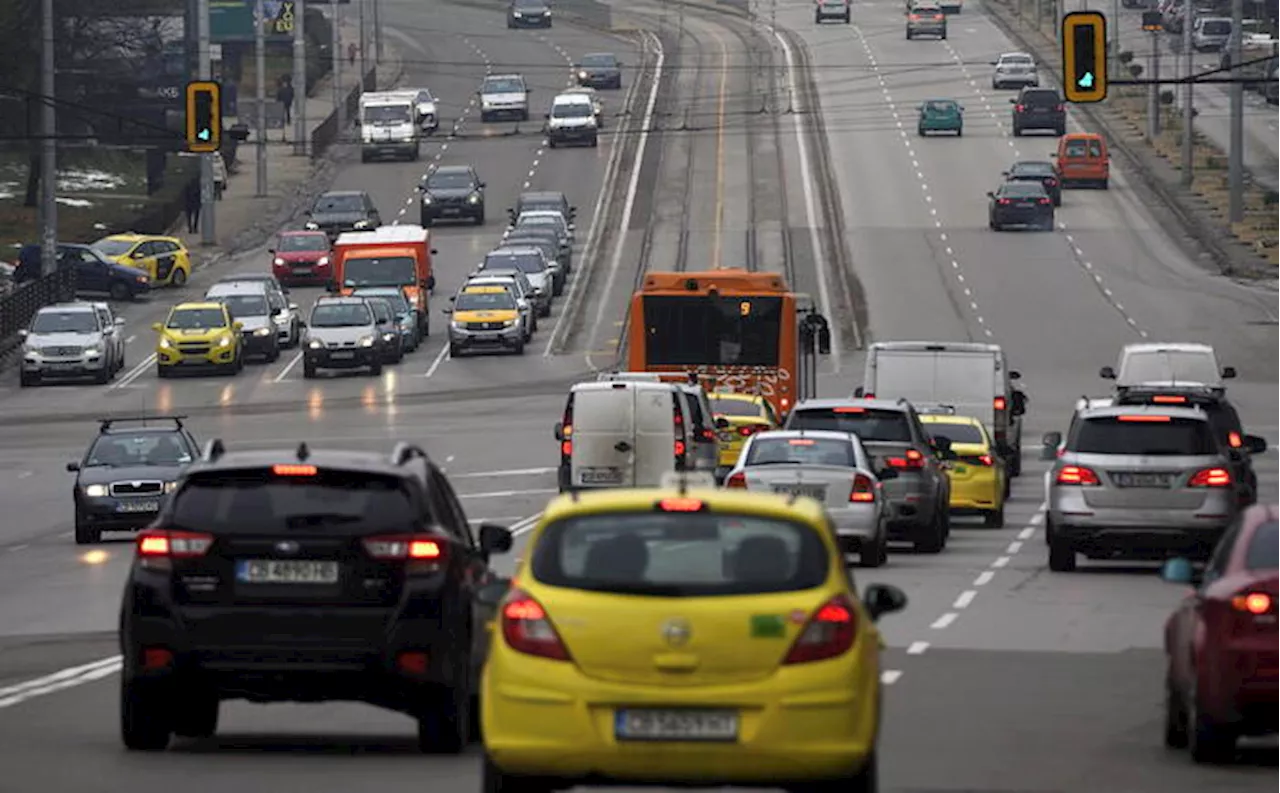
x=165, y=344
x=388, y=337
x=312, y=225
x=225, y=341
x=582, y=75
x=316, y=344
x=95, y=491
x=92, y=352
x=474, y=198
x=456, y=325
x=278, y=262
x=511, y=323
x=323, y=261
x=426, y=200
x=262, y=332
x=169, y=487
x=368, y=341
x=517, y=14
x=142, y=279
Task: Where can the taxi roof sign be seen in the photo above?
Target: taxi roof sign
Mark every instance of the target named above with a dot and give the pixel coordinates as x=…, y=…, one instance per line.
x=484, y=290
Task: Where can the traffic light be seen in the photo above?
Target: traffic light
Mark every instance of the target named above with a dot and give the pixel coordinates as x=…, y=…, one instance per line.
x=204, y=116
x=1084, y=56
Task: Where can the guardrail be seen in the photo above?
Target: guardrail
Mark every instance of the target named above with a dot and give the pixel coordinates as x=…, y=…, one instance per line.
x=327, y=133
x=19, y=306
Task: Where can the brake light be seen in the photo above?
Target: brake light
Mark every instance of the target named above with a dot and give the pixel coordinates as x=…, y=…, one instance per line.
x=1059, y=108
x=1051, y=182
x=915, y=17
x=1045, y=201
x=1077, y=475
x=1003, y=201
x=681, y=505
x=1234, y=439
x=986, y=459
x=737, y=481
x=526, y=628
x=850, y=410
x=752, y=429
x=829, y=633
x=566, y=448
x=800, y=442
x=864, y=490
x=937, y=17
x=706, y=434
x=678, y=419
x=294, y=470
x=913, y=459
x=1253, y=603
x=1019, y=108
x=157, y=548
x=868, y=396
x=999, y=403
x=1169, y=399
x=679, y=446
x=1145, y=419
x=421, y=553
x=1211, y=477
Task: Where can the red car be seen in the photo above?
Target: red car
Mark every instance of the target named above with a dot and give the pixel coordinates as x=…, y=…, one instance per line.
x=301, y=257
x=1221, y=643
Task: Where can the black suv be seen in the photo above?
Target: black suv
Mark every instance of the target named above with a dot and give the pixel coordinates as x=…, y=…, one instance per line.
x=1039, y=108
x=1222, y=418
x=339, y=211
x=300, y=576
x=894, y=437
x=452, y=192
x=529, y=14
x=1040, y=171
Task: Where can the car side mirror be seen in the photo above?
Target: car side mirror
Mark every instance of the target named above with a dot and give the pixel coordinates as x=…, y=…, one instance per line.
x=1228, y=372
x=73, y=467
x=495, y=538
x=1049, y=445
x=492, y=593
x=1254, y=444
x=1107, y=373
x=1013, y=101
x=941, y=444
x=1003, y=449
x=1019, y=403
x=237, y=325
x=722, y=423
x=546, y=116
x=881, y=599
x=293, y=306
x=572, y=227
x=483, y=185
x=990, y=194
x=1180, y=571
x=573, y=211
x=435, y=252
x=157, y=327
x=447, y=310
x=137, y=255
x=306, y=213
x=1004, y=174
x=1053, y=154
x=431, y=282
x=1014, y=374
x=884, y=475
x=271, y=251
x=559, y=431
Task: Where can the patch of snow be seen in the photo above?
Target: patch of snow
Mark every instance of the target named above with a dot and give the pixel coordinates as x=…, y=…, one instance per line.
x=88, y=181
x=74, y=202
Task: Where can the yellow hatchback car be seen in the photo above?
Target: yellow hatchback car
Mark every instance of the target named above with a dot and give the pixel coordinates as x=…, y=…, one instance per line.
x=669, y=637
x=747, y=414
x=165, y=259
x=199, y=336
x=979, y=482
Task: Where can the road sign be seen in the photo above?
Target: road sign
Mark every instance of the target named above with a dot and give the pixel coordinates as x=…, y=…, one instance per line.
x=1084, y=56
x=204, y=116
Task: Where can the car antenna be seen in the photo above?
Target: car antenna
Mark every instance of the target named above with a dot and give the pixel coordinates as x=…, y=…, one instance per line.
x=683, y=487
x=303, y=451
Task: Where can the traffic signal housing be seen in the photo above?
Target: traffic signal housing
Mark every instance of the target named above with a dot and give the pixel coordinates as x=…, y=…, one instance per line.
x=204, y=116
x=1084, y=56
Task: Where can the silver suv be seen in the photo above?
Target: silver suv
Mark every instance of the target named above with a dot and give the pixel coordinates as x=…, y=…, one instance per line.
x=1168, y=363
x=342, y=334
x=70, y=340
x=894, y=438
x=1137, y=481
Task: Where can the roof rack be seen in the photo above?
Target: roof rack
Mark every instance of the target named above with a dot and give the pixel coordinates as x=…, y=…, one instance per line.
x=107, y=423
x=404, y=452
x=213, y=450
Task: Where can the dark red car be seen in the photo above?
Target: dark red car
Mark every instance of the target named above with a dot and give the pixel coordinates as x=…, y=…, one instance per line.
x=301, y=257
x=1221, y=643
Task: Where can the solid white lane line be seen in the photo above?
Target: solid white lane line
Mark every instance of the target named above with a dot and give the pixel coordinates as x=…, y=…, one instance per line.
x=134, y=373
x=509, y=472
x=510, y=493
x=441, y=358
x=60, y=676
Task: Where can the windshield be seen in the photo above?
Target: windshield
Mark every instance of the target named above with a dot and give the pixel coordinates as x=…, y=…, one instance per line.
x=196, y=319
x=398, y=302
x=1176, y=437
x=338, y=204
x=1016, y=60
x=869, y=424
x=801, y=451
x=531, y=4
x=340, y=315
x=1263, y=549
x=1171, y=366
x=941, y=107
x=449, y=181
x=303, y=242
x=503, y=85
x=1021, y=190
x=245, y=305
x=679, y=554
x=735, y=407
x=376, y=271
x=599, y=60
x=1217, y=27
x=65, y=322
x=572, y=110
x=712, y=331
x=485, y=301
x=524, y=262
x=113, y=247
x=255, y=502
x=1032, y=169
x=121, y=450
x=388, y=114
x=958, y=433
x=381, y=311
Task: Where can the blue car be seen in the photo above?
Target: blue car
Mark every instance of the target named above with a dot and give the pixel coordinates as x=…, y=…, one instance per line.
x=95, y=274
x=941, y=115
x=406, y=318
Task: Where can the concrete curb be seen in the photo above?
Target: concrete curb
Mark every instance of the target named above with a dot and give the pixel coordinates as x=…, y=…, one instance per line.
x=1188, y=228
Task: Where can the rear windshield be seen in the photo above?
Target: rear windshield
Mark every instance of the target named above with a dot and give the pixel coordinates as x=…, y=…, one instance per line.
x=958, y=433
x=256, y=502
x=736, y=407
x=1163, y=366
x=1041, y=98
x=1263, y=552
x=1216, y=27
x=868, y=424
x=801, y=451
x=668, y=554
x=695, y=409
x=1186, y=437
x=523, y=262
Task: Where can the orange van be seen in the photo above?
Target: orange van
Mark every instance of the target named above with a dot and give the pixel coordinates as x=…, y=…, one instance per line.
x=1083, y=159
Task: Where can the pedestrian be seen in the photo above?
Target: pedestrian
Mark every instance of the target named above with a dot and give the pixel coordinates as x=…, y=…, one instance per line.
x=192, y=205
x=352, y=49
x=285, y=97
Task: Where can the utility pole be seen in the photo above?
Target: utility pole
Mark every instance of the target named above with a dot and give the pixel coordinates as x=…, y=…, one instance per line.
x=335, y=71
x=1188, y=108
x=1235, y=153
x=48, y=147
x=207, y=213
x=260, y=66
x=300, y=78
x=377, y=32
x=364, y=46
x=1153, y=90
x=1113, y=47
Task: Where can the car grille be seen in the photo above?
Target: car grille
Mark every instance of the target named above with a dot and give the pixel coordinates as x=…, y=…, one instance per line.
x=484, y=326
x=126, y=489
x=193, y=346
x=451, y=201
x=62, y=351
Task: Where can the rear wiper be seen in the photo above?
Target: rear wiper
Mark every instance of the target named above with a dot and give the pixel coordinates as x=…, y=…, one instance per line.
x=775, y=462
x=319, y=519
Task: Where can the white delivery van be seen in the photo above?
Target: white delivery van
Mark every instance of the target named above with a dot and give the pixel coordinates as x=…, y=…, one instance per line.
x=622, y=434
x=387, y=125
x=967, y=378
x=699, y=416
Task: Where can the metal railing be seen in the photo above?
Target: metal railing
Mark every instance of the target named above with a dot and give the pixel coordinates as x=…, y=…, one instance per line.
x=19, y=306
x=327, y=133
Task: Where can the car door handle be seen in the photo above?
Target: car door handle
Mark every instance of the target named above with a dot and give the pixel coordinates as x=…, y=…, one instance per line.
x=622, y=446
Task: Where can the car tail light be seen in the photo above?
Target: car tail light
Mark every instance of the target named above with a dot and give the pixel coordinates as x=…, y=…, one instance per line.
x=1256, y=603
x=868, y=396
x=1211, y=477
x=706, y=434
x=157, y=548
x=526, y=628
x=1059, y=108
x=829, y=633
x=915, y=17
x=566, y=445
x=1078, y=475
x=850, y=410
x=156, y=657
x=1003, y=201
x=864, y=490
x=913, y=459
x=737, y=481
x=1045, y=201
x=1145, y=419
x=1050, y=182
x=678, y=419
x=752, y=429
x=421, y=553
x=999, y=403
x=294, y=470
x=984, y=460
x=937, y=17
x=1019, y=108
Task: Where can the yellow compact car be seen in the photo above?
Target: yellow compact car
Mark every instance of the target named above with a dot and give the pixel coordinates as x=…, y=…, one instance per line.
x=747, y=414
x=199, y=336
x=683, y=637
x=165, y=259
x=979, y=482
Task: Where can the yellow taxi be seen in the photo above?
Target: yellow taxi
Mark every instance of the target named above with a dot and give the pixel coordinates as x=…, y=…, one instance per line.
x=747, y=414
x=979, y=482
x=681, y=636
x=199, y=336
x=486, y=317
x=165, y=259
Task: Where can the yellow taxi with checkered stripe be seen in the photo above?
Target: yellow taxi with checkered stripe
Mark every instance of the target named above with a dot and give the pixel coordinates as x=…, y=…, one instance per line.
x=747, y=414
x=165, y=259
x=680, y=636
x=979, y=482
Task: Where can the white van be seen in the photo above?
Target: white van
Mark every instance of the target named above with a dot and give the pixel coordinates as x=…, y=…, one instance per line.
x=973, y=379
x=701, y=419
x=622, y=434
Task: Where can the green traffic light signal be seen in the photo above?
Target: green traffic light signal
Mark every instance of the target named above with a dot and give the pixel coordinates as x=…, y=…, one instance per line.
x=1084, y=56
x=204, y=116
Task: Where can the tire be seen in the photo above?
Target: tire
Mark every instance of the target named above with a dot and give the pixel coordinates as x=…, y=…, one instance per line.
x=26, y=380
x=103, y=376
x=943, y=37
x=198, y=716
x=85, y=535
x=551, y=143
x=595, y=142
x=119, y=291
x=1017, y=131
x=848, y=20
x=994, y=519
x=518, y=349
x=908, y=35
x=376, y=370
x=454, y=351
x=308, y=371
x=920, y=131
x=524, y=115
x=162, y=372
x=1175, y=718
x=479, y=221
x=1105, y=184
x=144, y=716
x=484, y=117
x=937, y=539
x=1015, y=462
x=1211, y=743
x=1062, y=555
x=873, y=554
x=867, y=780
x=1061, y=129
x=178, y=278
x=444, y=725
x=817, y=20
x=424, y=221
x=275, y=354
x=960, y=131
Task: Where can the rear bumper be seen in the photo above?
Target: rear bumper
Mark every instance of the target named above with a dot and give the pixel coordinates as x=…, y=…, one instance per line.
x=927, y=29
x=1028, y=217
x=573, y=134
x=1037, y=121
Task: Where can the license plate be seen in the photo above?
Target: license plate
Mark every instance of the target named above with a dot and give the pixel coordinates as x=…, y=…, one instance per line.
x=148, y=505
x=303, y=269
x=600, y=476
x=343, y=355
x=813, y=491
x=726, y=436
x=450, y=210
x=286, y=571
x=1142, y=480
x=63, y=367
x=676, y=725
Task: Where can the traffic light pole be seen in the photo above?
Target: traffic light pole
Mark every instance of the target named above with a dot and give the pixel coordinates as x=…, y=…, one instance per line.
x=207, y=223
x=300, y=78
x=1235, y=152
x=260, y=67
x=1188, y=109
x=48, y=147
x=1153, y=90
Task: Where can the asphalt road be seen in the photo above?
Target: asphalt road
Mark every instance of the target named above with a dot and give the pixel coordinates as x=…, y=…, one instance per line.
x=1002, y=676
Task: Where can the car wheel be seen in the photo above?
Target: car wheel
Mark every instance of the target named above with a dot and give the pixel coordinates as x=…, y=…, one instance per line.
x=1015, y=462
x=484, y=117
x=1104, y=184
x=595, y=142
x=179, y=277
x=551, y=143
x=1211, y=743
x=908, y=35
x=960, y=132
x=1017, y=131
x=161, y=372
x=27, y=379
x=424, y=221
x=866, y=780
x=1061, y=129
x=994, y=519
x=119, y=291
x=480, y=219
x=920, y=131
x=1175, y=718
x=848, y=19
x=943, y=37
x=1062, y=555
x=102, y=376
x=375, y=370
x=308, y=371
x=86, y=534
x=198, y=716
x=935, y=540
x=873, y=554
x=518, y=349
x=455, y=351
x=144, y=716
x=444, y=724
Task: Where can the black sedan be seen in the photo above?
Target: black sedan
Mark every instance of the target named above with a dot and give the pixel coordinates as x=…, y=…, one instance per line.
x=529, y=14
x=599, y=70
x=1024, y=204
x=1037, y=171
